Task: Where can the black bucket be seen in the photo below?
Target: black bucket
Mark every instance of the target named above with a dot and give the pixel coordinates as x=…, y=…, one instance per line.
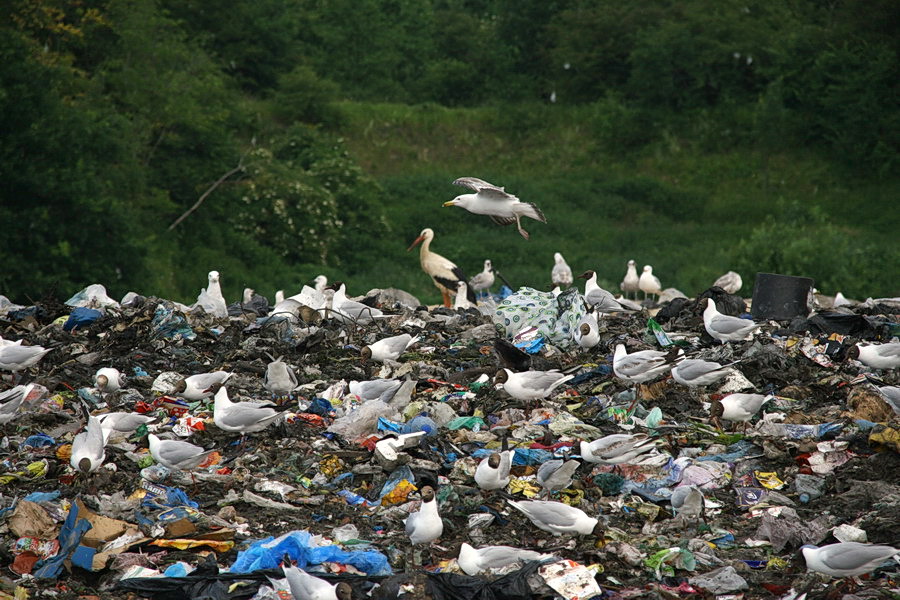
x=780, y=297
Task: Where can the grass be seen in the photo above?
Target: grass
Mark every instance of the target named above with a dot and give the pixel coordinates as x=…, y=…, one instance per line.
x=673, y=202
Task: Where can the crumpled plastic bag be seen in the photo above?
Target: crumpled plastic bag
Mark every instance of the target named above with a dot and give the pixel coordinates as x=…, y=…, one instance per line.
x=452, y=586
x=720, y=581
x=268, y=553
x=555, y=317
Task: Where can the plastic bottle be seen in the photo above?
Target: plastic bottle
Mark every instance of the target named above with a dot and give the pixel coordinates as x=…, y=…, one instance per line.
x=808, y=487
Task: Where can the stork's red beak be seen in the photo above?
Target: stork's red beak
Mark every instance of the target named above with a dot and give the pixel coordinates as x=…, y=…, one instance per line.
x=415, y=243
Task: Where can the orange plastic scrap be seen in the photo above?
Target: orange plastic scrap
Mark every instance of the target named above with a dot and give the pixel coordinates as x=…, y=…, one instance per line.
x=212, y=459
x=184, y=544
x=310, y=418
x=399, y=494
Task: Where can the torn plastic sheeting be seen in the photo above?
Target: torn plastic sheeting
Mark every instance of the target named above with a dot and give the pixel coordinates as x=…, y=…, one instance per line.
x=173, y=497
x=720, y=581
x=530, y=456
x=598, y=371
x=797, y=432
x=735, y=451
x=169, y=324
x=789, y=529
x=268, y=553
x=70, y=535
x=81, y=317
x=452, y=586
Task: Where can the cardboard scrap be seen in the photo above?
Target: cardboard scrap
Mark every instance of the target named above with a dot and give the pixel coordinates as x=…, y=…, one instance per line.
x=32, y=521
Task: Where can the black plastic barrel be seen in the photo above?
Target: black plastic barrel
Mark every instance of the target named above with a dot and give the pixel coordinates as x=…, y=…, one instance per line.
x=780, y=297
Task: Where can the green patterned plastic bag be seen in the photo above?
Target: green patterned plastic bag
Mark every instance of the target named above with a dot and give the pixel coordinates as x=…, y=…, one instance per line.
x=555, y=317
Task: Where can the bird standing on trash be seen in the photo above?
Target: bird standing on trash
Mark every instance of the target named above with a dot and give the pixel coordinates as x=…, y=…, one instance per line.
x=484, y=280
x=176, y=455
x=88, y=451
x=687, y=502
x=461, y=301
x=474, y=561
x=211, y=299
x=502, y=207
x=649, y=283
x=444, y=273
x=492, y=472
x=846, y=559
x=242, y=417
x=16, y=357
x=587, y=334
x=108, y=380
x=530, y=385
x=597, y=298
x=425, y=525
x=694, y=372
x=280, y=378
x=557, y=474
x=738, y=407
x=558, y=518
x=561, y=274
x=389, y=348
x=877, y=356
x=350, y=311
x=725, y=328
x=122, y=422
x=11, y=400
x=307, y=587
x=200, y=386
x=631, y=281
x=644, y=365
x=617, y=448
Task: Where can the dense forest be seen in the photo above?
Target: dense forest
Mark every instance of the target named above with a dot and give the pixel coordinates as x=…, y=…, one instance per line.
x=146, y=142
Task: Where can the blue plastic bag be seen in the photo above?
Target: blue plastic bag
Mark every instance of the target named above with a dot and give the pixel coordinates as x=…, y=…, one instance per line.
x=268, y=554
x=81, y=317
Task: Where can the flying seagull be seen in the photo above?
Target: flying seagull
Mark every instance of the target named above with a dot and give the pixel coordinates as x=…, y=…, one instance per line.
x=502, y=207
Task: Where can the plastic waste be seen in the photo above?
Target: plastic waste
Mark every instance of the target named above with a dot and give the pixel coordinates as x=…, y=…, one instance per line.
x=421, y=423
x=780, y=297
x=81, y=317
x=808, y=487
x=301, y=547
x=555, y=318
x=73, y=529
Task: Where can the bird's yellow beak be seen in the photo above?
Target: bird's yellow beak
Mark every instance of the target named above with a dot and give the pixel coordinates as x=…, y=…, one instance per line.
x=450, y=203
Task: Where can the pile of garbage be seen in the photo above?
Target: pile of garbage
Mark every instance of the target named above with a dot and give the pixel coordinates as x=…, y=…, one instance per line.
x=688, y=500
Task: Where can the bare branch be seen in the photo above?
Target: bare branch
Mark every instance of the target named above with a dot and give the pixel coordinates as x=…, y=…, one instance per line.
x=209, y=190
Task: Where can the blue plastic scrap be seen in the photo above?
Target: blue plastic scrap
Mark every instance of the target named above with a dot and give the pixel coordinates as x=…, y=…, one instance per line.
x=70, y=534
x=531, y=456
x=269, y=552
x=81, y=317
x=170, y=325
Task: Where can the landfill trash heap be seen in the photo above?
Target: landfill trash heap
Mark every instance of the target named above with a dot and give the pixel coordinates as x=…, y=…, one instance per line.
x=280, y=443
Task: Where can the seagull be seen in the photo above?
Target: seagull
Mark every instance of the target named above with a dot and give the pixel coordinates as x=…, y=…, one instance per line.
x=877, y=356
x=698, y=373
x=556, y=474
x=320, y=283
x=738, y=407
x=726, y=328
x=280, y=378
x=425, y=525
x=444, y=273
x=617, y=449
x=11, y=400
x=122, y=422
x=503, y=208
x=558, y=518
x=474, y=561
x=597, y=298
x=642, y=366
x=389, y=348
x=177, y=455
x=375, y=389
x=108, y=380
x=351, y=311
x=483, y=280
x=492, y=472
x=846, y=559
x=891, y=394
x=530, y=385
x=842, y=301
x=460, y=301
x=648, y=282
x=731, y=282
x=561, y=275
x=306, y=587
x=587, y=334
x=200, y=386
x=242, y=417
x=687, y=501
x=15, y=357
x=211, y=298
x=87, y=448
x=631, y=282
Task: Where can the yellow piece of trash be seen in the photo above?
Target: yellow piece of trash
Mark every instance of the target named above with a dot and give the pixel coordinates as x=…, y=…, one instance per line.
x=776, y=563
x=527, y=488
x=769, y=480
x=886, y=436
x=571, y=496
x=184, y=544
x=399, y=494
